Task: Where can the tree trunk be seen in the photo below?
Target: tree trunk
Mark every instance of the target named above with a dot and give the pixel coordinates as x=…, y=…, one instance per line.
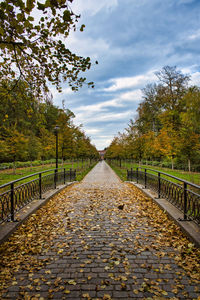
x=189, y=165
x=172, y=163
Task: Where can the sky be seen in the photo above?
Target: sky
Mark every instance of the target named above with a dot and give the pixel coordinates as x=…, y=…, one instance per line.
x=131, y=40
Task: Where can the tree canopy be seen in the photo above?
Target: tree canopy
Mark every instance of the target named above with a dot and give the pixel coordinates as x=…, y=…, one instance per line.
x=33, y=44
x=27, y=128
x=167, y=126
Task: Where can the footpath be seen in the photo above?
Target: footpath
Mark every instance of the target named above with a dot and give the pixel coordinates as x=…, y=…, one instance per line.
x=99, y=239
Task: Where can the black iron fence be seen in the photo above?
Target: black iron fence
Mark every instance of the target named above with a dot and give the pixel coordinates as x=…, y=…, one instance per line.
x=181, y=193
x=15, y=195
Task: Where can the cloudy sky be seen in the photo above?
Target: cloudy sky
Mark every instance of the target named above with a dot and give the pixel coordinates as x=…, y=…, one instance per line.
x=131, y=39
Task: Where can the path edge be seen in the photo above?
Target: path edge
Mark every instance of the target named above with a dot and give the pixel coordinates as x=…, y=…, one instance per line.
x=189, y=228
x=8, y=228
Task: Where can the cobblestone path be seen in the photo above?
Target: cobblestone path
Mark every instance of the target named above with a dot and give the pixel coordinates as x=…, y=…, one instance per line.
x=99, y=239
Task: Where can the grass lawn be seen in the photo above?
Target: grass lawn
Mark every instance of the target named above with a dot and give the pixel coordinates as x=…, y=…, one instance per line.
x=189, y=176
x=7, y=175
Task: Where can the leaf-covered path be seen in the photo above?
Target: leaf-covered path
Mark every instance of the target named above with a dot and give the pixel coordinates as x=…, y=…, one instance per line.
x=99, y=239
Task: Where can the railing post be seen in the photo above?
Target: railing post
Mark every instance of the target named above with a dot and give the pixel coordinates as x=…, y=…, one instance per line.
x=185, y=201
x=12, y=202
x=158, y=185
x=40, y=185
x=137, y=174
x=145, y=178
x=55, y=178
x=64, y=175
x=70, y=174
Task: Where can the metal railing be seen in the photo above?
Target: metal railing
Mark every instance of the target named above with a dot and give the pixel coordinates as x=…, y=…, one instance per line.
x=181, y=193
x=15, y=195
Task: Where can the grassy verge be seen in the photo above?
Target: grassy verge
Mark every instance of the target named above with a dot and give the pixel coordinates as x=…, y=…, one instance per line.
x=120, y=172
x=189, y=176
x=7, y=175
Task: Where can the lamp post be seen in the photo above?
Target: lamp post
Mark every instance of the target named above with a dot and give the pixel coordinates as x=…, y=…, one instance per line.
x=56, y=133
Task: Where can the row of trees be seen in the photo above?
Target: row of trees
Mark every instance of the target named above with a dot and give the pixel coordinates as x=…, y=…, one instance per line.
x=167, y=126
x=27, y=127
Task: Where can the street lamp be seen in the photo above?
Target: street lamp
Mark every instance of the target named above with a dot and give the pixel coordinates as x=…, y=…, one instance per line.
x=56, y=133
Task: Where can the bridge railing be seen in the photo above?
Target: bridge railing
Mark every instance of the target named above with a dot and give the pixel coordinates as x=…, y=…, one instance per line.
x=18, y=193
x=181, y=193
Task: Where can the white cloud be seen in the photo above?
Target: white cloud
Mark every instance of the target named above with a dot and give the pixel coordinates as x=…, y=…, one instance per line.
x=99, y=107
x=129, y=82
x=91, y=131
x=92, y=7
x=194, y=75
x=132, y=96
x=65, y=91
x=89, y=47
x=102, y=142
x=195, y=79
x=195, y=35
x=88, y=117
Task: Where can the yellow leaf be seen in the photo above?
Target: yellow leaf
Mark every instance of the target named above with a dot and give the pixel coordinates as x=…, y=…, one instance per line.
x=72, y=282
x=123, y=278
x=67, y=292
x=107, y=297
x=86, y=296
x=60, y=251
x=164, y=293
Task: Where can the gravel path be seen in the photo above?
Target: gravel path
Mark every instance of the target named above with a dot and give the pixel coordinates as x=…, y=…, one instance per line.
x=100, y=239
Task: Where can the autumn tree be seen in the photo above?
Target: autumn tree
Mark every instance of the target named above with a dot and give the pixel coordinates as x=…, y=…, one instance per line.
x=33, y=44
x=167, y=125
x=149, y=110
x=170, y=93
x=27, y=127
x=17, y=146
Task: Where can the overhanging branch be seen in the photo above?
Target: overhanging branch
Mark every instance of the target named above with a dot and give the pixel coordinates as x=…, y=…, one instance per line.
x=11, y=43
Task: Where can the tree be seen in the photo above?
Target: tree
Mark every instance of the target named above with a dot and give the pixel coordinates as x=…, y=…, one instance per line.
x=173, y=86
x=34, y=148
x=189, y=146
x=170, y=93
x=33, y=44
x=17, y=146
x=47, y=140
x=190, y=115
x=149, y=110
